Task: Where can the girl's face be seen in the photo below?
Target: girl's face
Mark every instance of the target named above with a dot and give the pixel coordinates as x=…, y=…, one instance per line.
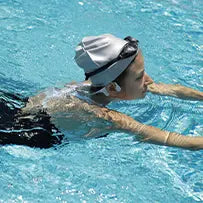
x=136, y=80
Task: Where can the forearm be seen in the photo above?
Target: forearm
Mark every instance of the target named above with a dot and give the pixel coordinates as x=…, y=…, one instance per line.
x=157, y=136
x=124, y=123
x=152, y=134
x=175, y=91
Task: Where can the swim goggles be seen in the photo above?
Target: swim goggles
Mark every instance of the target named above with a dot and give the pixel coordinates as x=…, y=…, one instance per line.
x=130, y=49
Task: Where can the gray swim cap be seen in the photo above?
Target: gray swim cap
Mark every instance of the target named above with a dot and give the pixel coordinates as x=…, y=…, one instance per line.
x=93, y=52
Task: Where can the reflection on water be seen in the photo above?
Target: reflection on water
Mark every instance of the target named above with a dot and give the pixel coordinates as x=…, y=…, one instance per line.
x=37, y=41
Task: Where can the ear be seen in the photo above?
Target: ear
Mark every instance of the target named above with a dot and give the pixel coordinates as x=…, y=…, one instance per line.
x=113, y=89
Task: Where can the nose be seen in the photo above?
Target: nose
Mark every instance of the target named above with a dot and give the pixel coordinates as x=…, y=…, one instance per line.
x=148, y=80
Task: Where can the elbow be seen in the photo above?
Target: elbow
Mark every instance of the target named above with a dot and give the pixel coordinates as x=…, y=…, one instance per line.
x=196, y=147
x=195, y=143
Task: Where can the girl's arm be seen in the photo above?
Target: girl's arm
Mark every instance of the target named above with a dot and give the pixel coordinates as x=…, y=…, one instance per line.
x=175, y=91
x=122, y=122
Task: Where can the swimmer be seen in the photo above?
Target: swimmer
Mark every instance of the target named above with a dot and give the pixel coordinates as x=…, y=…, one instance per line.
x=114, y=70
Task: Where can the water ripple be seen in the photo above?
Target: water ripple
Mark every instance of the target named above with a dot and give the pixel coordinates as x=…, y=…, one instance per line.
x=37, y=42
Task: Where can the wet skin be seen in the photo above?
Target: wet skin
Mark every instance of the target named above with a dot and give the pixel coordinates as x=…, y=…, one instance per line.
x=136, y=80
x=136, y=83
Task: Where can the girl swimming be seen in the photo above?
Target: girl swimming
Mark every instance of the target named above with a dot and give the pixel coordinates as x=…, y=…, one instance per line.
x=114, y=70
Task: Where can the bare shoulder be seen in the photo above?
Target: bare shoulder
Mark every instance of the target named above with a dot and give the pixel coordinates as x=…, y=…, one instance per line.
x=53, y=100
x=75, y=83
x=64, y=104
x=34, y=103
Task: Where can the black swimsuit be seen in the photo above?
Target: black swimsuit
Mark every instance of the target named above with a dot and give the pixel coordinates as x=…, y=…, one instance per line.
x=17, y=128
x=33, y=129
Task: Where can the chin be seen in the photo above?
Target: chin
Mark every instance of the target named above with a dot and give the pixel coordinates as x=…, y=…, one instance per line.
x=138, y=97
x=142, y=96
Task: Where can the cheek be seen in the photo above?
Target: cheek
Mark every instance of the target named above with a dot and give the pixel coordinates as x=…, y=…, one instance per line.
x=139, y=84
x=134, y=88
x=127, y=89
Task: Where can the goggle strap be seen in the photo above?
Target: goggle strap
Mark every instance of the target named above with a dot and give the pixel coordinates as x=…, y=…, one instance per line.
x=87, y=75
x=131, y=41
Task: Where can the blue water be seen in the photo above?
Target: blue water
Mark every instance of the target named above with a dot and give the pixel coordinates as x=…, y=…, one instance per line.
x=37, y=41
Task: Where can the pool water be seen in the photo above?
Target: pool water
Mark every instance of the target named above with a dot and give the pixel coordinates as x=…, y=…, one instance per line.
x=37, y=41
